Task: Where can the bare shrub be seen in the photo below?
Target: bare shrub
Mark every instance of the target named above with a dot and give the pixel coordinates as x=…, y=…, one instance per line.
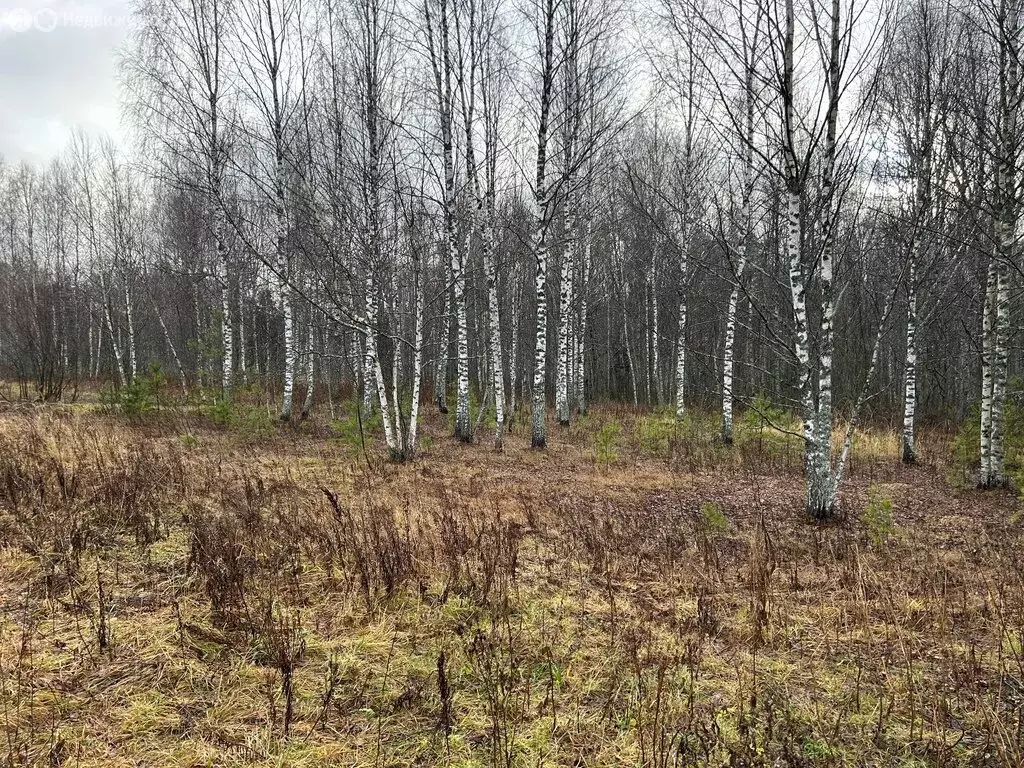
x=67, y=488
x=369, y=543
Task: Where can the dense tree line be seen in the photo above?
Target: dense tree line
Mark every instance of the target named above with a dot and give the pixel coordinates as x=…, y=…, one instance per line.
x=489, y=203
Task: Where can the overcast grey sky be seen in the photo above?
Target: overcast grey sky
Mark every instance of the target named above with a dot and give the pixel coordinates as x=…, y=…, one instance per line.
x=57, y=71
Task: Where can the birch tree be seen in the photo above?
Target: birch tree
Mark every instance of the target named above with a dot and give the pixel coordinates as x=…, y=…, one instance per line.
x=812, y=50
x=440, y=33
x=542, y=212
x=267, y=30
x=179, y=64
x=482, y=79
x=1004, y=24
x=572, y=39
x=916, y=96
x=750, y=46
x=374, y=62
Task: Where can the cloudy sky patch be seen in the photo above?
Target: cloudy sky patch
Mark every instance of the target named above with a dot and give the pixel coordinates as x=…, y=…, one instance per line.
x=58, y=70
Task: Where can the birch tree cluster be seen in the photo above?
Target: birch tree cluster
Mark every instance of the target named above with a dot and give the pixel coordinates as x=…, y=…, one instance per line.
x=520, y=207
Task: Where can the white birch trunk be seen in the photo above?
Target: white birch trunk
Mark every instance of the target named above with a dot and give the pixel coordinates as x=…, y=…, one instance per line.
x=369, y=380
x=396, y=364
x=684, y=252
x=463, y=424
x=821, y=491
x=376, y=372
x=243, y=366
x=417, y=357
x=99, y=352
x=91, y=349
x=289, y=356
x=817, y=481
x=539, y=436
x=910, y=373
x=987, y=370
x=655, y=357
x=513, y=353
x=441, y=369
x=541, y=217
x=133, y=357
x=287, y=305
x=727, y=365
x=108, y=317
x=997, y=467
x=565, y=300
x=1007, y=194
x=581, y=326
x=497, y=368
x=307, y=404
x=728, y=356
x=226, y=333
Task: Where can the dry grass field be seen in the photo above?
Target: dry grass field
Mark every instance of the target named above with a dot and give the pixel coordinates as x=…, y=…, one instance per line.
x=191, y=590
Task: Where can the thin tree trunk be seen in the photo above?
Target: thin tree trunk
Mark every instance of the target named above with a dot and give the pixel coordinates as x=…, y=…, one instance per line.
x=997, y=468
x=497, y=369
x=463, y=424
x=170, y=345
x=654, y=331
x=108, y=317
x=226, y=332
x=513, y=353
x=910, y=373
x=624, y=293
x=133, y=357
x=727, y=364
x=287, y=304
x=998, y=288
x=243, y=366
x=441, y=368
x=541, y=218
x=374, y=369
x=307, y=404
x=581, y=327
x=684, y=248
x=728, y=357
x=91, y=333
x=417, y=355
x=565, y=302
x=987, y=370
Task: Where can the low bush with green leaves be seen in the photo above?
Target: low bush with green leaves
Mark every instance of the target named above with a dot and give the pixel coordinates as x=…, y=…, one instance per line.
x=654, y=433
x=140, y=396
x=967, y=445
x=877, y=518
x=247, y=419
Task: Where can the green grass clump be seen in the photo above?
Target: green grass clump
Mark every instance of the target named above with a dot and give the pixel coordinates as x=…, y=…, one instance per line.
x=654, y=433
x=353, y=427
x=713, y=518
x=606, y=444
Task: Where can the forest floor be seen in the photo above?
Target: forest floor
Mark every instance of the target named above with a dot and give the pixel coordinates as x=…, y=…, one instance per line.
x=188, y=589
